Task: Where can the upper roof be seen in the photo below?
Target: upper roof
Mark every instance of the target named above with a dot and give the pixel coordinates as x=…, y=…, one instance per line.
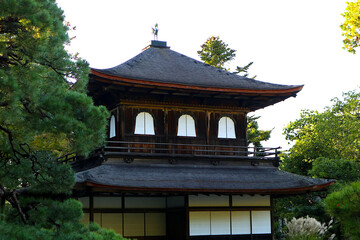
x=159, y=65
x=166, y=178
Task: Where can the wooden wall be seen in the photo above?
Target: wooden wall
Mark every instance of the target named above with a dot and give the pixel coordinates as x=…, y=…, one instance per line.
x=166, y=123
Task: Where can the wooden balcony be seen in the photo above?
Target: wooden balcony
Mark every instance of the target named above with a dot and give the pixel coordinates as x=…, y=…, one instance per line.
x=173, y=151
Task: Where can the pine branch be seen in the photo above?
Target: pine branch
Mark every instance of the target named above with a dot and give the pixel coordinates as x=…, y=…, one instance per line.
x=16, y=204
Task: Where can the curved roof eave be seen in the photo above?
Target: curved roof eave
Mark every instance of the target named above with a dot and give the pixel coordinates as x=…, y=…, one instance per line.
x=292, y=90
x=286, y=191
x=185, y=178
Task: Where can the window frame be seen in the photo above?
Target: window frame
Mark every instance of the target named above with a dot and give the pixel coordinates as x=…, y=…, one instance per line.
x=143, y=130
x=227, y=127
x=193, y=132
x=112, y=126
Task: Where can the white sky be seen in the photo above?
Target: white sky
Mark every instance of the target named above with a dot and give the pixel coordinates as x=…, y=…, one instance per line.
x=291, y=42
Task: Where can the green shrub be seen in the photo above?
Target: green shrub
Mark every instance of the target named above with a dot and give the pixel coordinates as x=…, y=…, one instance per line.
x=345, y=206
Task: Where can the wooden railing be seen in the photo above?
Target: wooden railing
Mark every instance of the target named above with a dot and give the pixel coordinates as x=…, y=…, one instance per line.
x=173, y=152
x=176, y=150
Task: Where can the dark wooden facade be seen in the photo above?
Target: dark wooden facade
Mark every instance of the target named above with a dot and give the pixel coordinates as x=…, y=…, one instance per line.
x=166, y=123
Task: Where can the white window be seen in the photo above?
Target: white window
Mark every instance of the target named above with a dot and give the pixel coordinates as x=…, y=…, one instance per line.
x=220, y=222
x=240, y=222
x=144, y=124
x=261, y=222
x=199, y=223
x=186, y=126
x=112, y=131
x=226, y=128
x=229, y=222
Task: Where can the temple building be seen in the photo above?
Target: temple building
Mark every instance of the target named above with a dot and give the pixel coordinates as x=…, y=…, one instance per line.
x=177, y=164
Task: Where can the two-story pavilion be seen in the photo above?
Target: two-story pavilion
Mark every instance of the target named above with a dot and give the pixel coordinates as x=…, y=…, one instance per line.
x=176, y=164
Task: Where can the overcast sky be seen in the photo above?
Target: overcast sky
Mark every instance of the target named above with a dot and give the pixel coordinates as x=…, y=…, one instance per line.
x=290, y=42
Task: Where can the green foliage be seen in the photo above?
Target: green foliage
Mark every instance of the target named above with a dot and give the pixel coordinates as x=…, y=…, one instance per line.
x=44, y=113
x=332, y=134
x=254, y=134
x=299, y=206
x=340, y=169
x=42, y=88
x=345, y=206
x=351, y=26
x=216, y=53
x=326, y=145
x=244, y=70
x=67, y=231
x=43, y=101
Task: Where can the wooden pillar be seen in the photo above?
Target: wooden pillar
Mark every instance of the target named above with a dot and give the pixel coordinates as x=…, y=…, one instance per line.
x=251, y=227
x=272, y=216
x=91, y=208
x=187, y=223
x=166, y=125
x=117, y=127
x=207, y=122
x=245, y=129
x=122, y=122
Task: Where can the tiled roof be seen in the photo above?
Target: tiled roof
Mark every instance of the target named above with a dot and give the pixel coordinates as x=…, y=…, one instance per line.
x=163, y=65
x=198, y=178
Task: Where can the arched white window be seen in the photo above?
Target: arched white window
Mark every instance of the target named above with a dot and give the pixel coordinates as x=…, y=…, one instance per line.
x=144, y=124
x=226, y=128
x=186, y=126
x=112, y=130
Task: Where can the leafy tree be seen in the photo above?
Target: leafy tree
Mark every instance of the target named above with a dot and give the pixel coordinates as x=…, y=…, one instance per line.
x=342, y=170
x=44, y=113
x=332, y=134
x=345, y=206
x=351, y=26
x=326, y=145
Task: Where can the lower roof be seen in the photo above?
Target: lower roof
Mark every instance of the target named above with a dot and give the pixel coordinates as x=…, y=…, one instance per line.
x=241, y=179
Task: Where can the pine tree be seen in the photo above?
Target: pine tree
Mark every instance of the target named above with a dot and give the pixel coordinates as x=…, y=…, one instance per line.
x=44, y=113
x=216, y=53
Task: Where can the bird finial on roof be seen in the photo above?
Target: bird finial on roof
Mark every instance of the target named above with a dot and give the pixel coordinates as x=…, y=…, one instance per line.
x=155, y=31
